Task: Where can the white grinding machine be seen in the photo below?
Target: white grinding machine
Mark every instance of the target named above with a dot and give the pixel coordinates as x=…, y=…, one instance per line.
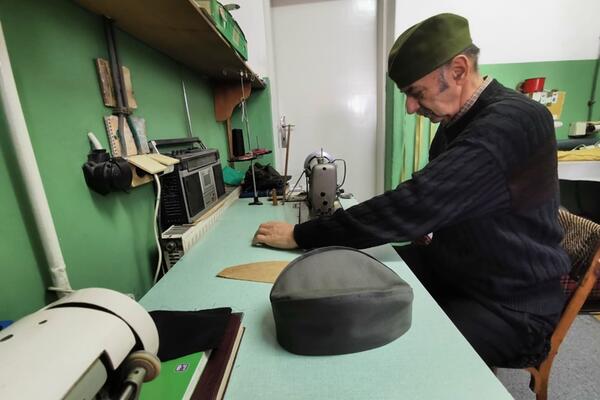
x=92, y=344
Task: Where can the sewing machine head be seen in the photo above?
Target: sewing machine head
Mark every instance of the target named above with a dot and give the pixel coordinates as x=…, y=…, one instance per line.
x=86, y=344
x=322, y=188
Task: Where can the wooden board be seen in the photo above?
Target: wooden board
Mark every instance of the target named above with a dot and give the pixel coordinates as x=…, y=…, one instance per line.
x=138, y=180
x=112, y=124
x=264, y=271
x=227, y=97
x=106, y=84
x=180, y=29
x=147, y=163
x=165, y=160
x=131, y=103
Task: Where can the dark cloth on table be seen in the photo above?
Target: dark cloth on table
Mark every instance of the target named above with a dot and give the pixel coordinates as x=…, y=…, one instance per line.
x=186, y=332
x=490, y=196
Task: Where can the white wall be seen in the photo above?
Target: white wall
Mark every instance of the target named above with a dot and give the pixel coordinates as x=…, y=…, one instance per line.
x=251, y=18
x=512, y=31
x=326, y=64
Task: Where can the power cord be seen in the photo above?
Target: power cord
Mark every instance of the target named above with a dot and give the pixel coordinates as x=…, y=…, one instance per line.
x=159, y=266
x=344, y=178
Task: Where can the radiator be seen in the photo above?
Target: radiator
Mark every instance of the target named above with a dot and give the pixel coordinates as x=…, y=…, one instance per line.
x=179, y=239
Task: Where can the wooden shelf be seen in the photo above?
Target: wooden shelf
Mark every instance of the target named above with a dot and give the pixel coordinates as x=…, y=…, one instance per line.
x=180, y=30
x=249, y=156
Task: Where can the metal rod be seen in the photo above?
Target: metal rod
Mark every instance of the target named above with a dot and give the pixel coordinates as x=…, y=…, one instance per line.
x=118, y=82
x=187, y=111
x=245, y=112
x=255, y=202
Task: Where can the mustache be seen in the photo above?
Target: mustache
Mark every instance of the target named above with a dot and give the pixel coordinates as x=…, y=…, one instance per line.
x=426, y=112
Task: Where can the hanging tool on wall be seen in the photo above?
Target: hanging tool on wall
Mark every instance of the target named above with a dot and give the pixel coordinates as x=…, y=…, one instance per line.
x=121, y=110
x=103, y=173
x=127, y=129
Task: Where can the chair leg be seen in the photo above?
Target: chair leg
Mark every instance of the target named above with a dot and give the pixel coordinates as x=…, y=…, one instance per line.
x=540, y=377
x=535, y=379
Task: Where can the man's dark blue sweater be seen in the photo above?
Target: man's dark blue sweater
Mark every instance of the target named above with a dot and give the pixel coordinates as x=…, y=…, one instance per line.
x=490, y=196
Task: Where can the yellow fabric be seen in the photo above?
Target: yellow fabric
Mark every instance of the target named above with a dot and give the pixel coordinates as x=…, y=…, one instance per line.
x=580, y=155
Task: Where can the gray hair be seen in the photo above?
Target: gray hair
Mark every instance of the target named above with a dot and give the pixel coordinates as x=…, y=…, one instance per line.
x=472, y=52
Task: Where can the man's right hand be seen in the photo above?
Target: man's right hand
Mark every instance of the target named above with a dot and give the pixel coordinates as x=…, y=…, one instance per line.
x=276, y=234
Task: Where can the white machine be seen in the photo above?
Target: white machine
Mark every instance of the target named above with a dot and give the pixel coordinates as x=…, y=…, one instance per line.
x=93, y=344
x=584, y=128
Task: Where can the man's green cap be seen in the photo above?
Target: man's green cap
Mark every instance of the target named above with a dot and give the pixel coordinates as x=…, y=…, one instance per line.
x=426, y=46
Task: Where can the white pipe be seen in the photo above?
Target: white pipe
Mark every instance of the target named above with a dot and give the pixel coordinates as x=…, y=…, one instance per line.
x=31, y=175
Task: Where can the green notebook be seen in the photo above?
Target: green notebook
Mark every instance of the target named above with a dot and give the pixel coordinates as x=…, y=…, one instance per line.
x=177, y=378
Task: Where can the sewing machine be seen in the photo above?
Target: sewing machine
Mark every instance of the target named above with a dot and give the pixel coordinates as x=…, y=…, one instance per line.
x=321, y=183
x=94, y=343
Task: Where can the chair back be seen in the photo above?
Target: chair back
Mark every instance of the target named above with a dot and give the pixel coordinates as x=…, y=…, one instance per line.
x=581, y=242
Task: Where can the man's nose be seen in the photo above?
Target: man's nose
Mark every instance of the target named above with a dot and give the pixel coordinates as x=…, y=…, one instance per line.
x=412, y=105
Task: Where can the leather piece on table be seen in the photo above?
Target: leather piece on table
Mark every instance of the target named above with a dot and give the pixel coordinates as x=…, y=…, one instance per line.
x=263, y=271
x=186, y=332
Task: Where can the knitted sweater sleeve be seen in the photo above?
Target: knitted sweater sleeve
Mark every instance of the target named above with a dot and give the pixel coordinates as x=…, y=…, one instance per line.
x=462, y=183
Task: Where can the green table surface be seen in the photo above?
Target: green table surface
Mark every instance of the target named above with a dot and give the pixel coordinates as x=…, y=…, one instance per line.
x=431, y=361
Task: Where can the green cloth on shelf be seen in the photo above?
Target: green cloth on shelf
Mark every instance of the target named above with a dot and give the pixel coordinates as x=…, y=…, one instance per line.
x=232, y=177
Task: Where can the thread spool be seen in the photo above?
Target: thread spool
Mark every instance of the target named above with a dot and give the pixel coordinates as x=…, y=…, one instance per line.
x=237, y=142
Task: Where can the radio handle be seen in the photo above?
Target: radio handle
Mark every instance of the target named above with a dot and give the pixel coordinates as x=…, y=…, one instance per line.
x=176, y=142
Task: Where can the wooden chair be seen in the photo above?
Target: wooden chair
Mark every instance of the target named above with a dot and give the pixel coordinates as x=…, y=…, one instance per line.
x=582, y=244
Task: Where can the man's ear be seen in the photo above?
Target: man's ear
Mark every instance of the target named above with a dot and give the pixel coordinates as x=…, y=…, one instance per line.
x=459, y=69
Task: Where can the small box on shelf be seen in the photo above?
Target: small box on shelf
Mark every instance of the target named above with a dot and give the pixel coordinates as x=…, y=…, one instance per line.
x=226, y=25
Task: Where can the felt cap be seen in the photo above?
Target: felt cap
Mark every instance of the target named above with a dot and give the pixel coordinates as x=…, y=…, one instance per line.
x=338, y=300
x=426, y=46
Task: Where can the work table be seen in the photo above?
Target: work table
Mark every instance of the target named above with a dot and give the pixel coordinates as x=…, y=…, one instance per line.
x=431, y=361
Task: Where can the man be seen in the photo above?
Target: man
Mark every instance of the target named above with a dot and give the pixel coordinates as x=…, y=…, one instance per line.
x=489, y=195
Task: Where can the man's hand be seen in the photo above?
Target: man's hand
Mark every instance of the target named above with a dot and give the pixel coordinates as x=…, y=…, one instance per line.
x=275, y=234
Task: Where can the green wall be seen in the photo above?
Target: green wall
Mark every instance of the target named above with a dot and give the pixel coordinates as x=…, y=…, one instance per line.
x=574, y=77
x=258, y=108
x=107, y=241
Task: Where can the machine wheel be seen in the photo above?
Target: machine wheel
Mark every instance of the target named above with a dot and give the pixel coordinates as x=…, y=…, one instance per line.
x=145, y=360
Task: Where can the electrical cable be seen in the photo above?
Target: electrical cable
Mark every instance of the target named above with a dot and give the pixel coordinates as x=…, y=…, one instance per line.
x=155, y=223
x=344, y=178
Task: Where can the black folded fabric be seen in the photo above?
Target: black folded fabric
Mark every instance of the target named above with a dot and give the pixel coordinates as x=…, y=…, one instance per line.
x=186, y=332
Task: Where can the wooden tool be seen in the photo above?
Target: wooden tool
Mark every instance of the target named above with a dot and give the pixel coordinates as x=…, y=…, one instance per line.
x=107, y=87
x=112, y=125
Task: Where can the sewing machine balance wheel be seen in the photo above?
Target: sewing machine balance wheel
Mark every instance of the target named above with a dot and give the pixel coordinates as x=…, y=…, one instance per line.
x=146, y=360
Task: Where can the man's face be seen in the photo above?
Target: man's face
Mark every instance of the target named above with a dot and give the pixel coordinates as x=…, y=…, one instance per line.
x=435, y=96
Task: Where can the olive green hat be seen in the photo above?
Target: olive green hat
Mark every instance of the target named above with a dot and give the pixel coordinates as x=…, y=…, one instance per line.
x=426, y=46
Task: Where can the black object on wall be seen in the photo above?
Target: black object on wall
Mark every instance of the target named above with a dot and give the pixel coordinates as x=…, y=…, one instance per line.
x=104, y=174
x=237, y=137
